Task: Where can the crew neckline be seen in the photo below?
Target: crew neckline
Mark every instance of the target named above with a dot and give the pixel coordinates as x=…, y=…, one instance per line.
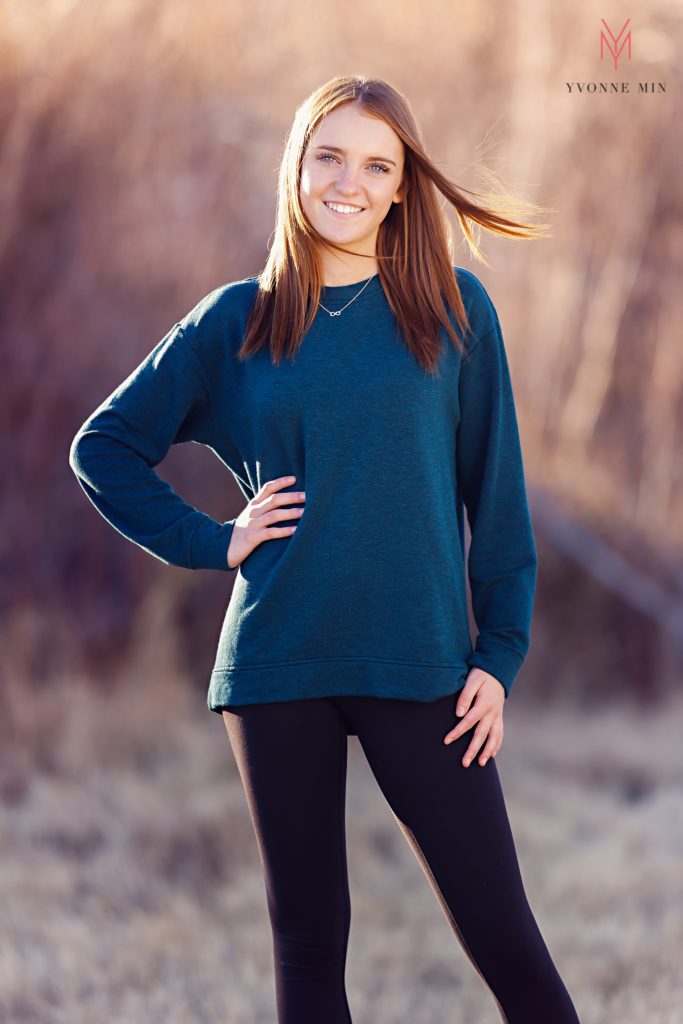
x=346, y=291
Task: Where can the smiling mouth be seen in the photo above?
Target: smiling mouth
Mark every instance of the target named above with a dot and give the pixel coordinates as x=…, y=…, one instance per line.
x=343, y=209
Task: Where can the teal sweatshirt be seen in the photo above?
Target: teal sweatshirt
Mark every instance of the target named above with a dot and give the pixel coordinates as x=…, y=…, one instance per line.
x=368, y=595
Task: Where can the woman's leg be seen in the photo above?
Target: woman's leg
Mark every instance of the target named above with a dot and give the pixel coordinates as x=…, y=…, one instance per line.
x=292, y=761
x=456, y=822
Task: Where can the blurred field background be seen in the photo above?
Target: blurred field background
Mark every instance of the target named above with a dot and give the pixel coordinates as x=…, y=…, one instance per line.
x=139, y=147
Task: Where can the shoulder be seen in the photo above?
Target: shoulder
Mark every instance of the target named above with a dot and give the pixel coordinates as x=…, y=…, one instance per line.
x=480, y=309
x=216, y=323
x=227, y=302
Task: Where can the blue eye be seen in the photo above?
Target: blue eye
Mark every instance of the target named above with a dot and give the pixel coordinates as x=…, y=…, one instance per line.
x=325, y=156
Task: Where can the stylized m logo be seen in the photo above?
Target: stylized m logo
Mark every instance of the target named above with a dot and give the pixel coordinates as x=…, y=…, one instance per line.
x=613, y=44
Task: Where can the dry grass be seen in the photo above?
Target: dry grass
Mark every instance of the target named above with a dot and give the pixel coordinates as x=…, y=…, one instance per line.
x=134, y=893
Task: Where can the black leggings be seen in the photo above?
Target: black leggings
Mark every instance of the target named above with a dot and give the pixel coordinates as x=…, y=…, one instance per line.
x=291, y=757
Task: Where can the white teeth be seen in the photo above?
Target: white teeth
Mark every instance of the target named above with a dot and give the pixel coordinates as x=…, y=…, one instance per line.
x=344, y=209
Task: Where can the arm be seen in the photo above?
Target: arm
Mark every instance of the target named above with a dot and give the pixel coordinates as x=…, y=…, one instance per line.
x=502, y=561
x=166, y=400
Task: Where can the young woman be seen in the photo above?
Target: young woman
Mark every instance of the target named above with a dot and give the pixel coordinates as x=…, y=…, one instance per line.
x=359, y=392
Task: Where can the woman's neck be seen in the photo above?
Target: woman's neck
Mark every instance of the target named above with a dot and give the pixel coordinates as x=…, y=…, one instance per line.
x=336, y=273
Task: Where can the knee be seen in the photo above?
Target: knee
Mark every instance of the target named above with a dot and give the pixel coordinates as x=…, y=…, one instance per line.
x=309, y=952
x=312, y=947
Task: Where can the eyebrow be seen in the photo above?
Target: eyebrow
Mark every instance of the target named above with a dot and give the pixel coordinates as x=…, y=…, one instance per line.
x=337, y=149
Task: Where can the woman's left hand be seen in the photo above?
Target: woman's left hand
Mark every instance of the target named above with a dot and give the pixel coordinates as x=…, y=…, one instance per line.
x=487, y=710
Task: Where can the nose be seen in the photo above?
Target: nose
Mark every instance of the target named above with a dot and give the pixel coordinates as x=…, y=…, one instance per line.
x=346, y=183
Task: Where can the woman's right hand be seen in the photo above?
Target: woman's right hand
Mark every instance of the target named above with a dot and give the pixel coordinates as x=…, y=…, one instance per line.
x=253, y=525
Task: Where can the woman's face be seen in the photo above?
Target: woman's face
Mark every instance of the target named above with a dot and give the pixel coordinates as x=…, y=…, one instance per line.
x=356, y=161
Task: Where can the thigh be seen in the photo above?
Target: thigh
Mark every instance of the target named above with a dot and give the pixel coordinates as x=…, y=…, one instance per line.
x=454, y=817
x=292, y=759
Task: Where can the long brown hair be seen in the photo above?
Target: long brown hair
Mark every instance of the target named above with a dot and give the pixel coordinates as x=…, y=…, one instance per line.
x=414, y=241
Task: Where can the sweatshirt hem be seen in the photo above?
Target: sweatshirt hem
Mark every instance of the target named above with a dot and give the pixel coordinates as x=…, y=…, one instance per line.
x=266, y=684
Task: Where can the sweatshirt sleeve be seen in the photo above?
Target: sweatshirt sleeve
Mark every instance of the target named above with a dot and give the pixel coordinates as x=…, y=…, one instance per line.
x=502, y=560
x=165, y=401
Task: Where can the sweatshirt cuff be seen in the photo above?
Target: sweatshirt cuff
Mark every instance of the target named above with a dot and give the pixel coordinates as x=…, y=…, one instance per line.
x=209, y=545
x=497, y=659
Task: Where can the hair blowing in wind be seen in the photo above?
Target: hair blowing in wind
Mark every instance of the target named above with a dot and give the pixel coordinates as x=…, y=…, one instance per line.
x=415, y=250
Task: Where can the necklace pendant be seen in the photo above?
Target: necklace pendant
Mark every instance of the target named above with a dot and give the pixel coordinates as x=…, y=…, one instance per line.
x=339, y=312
